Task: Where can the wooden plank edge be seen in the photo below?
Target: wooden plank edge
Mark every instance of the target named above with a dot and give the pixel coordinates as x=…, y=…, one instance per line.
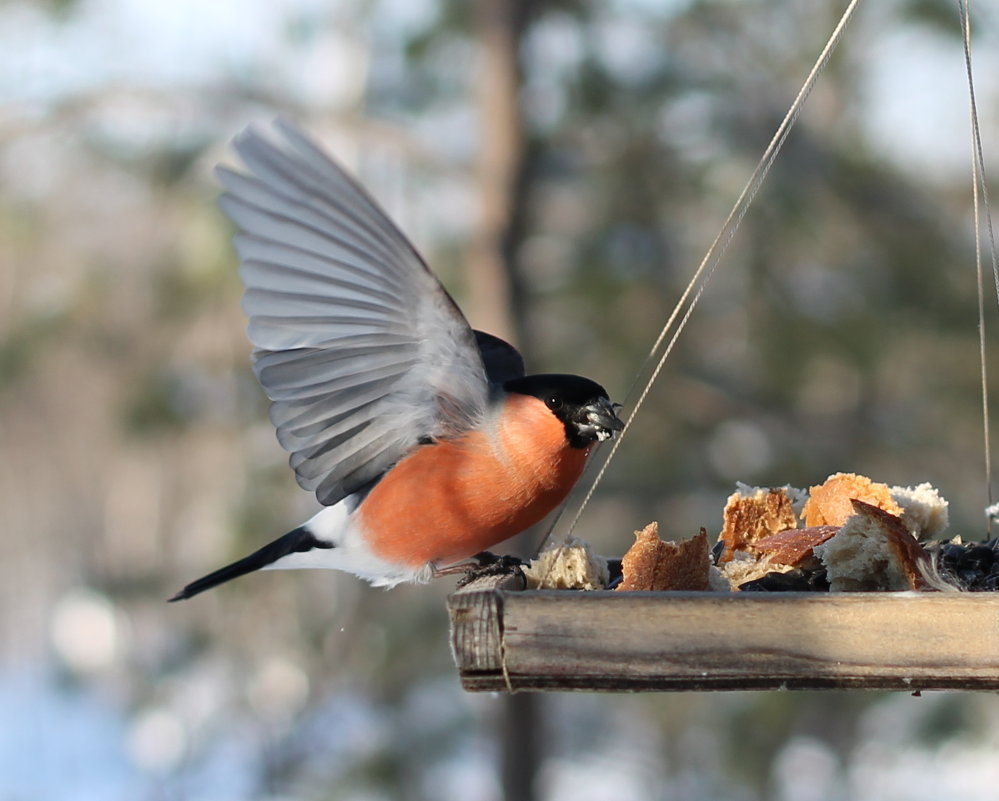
x=476, y=623
x=483, y=664
x=513, y=682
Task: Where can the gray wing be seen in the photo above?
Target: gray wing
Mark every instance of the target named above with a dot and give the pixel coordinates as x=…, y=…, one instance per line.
x=360, y=349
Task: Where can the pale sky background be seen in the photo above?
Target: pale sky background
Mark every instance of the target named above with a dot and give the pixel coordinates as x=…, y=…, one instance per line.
x=916, y=108
x=916, y=92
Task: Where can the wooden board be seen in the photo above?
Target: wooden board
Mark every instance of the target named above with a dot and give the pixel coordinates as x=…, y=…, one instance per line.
x=504, y=639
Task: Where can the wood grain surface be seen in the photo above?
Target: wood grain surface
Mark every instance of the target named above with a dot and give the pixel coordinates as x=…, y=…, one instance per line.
x=505, y=639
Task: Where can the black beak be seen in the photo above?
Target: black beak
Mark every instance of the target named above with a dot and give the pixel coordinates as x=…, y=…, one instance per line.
x=599, y=419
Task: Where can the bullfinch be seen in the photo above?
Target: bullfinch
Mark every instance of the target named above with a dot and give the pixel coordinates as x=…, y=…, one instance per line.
x=422, y=438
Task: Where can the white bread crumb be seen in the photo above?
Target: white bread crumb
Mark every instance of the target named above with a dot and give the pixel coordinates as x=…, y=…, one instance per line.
x=744, y=567
x=872, y=552
x=717, y=581
x=924, y=511
x=572, y=566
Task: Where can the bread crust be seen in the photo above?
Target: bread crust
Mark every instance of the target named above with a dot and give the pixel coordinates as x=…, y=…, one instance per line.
x=830, y=503
x=753, y=514
x=652, y=564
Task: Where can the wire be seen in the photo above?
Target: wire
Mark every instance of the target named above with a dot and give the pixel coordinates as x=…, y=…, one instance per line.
x=981, y=207
x=684, y=307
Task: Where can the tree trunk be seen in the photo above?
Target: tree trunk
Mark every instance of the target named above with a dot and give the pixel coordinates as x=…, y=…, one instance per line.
x=492, y=291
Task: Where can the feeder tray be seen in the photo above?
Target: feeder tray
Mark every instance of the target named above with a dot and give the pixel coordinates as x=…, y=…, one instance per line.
x=508, y=639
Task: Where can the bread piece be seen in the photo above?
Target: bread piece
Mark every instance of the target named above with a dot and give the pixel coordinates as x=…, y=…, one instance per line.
x=924, y=511
x=753, y=513
x=651, y=564
x=572, y=566
x=717, y=581
x=795, y=545
x=744, y=567
x=873, y=551
x=796, y=495
x=829, y=504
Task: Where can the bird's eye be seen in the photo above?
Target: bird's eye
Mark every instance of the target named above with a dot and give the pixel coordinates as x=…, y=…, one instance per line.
x=553, y=402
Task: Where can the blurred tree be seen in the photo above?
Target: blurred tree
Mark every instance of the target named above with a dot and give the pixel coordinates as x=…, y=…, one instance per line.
x=564, y=165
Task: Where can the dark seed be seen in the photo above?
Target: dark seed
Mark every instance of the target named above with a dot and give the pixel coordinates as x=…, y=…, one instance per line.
x=796, y=580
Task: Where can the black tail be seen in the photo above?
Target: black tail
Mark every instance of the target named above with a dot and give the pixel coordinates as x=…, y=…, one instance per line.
x=297, y=541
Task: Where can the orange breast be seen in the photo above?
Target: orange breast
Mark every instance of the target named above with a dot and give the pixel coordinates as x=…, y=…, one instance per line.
x=447, y=501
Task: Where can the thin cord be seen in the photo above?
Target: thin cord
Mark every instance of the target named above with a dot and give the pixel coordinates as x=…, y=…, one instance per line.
x=980, y=188
x=695, y=287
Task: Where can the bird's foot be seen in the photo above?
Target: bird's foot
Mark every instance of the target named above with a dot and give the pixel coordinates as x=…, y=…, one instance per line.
x=486, y=564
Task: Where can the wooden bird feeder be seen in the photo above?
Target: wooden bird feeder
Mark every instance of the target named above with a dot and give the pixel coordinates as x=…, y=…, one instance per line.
x=507, y=639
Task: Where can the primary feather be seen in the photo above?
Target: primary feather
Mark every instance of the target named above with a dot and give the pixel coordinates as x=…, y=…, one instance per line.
x=360, y=349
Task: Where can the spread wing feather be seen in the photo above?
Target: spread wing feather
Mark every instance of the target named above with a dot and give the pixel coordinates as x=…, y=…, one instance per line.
x=360, y=349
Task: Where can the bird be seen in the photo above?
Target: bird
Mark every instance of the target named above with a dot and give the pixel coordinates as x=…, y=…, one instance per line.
x=424, y=440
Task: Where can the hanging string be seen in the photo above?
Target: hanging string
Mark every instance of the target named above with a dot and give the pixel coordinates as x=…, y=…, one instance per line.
x=677, y=321
x=981, y=207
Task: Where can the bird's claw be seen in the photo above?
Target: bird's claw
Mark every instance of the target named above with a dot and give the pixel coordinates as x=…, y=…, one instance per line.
x=489, y=564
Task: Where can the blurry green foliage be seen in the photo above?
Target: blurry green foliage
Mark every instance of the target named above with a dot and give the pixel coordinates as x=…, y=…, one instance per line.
x=156, y=405
x=23, y=343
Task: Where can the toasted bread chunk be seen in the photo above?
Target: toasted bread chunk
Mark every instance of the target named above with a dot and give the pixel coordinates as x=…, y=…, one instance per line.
x=651, y=564
x=793, y=546
x=873, y=551
x=829, y=504
x=753, y=513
